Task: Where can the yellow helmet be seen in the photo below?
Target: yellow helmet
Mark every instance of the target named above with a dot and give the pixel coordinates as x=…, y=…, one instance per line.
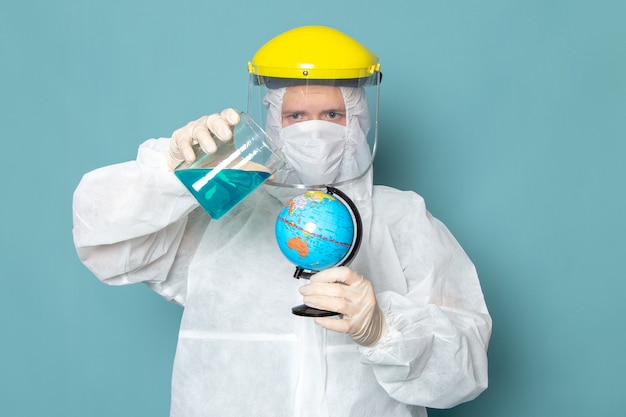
x=314, y=53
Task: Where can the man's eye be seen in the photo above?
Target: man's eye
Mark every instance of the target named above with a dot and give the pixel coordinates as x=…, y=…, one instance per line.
x=295, y=116
x=333, y=115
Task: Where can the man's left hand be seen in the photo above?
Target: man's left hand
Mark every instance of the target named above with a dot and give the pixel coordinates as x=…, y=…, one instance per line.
x=345, y=291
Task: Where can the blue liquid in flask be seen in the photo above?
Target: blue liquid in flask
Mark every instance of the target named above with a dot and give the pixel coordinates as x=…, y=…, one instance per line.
x=224, y=191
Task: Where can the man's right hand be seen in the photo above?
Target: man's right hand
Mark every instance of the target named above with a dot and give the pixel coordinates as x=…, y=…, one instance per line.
x=204, y=132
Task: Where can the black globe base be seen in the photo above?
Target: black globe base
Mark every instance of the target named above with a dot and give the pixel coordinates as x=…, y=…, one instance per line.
x=306, y=311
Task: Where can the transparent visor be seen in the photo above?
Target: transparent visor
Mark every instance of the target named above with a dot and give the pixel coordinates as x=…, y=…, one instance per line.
x=326, y=130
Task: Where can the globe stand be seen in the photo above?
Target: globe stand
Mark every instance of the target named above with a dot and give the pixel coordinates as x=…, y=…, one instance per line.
x=303, y=309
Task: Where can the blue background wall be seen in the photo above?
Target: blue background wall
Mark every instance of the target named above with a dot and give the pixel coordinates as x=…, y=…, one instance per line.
x=507, y=116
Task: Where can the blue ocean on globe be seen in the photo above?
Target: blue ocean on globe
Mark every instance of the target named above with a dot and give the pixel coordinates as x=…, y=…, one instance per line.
x=315, y=230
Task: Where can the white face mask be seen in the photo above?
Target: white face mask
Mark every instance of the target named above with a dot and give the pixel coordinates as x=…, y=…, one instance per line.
x=314, y=149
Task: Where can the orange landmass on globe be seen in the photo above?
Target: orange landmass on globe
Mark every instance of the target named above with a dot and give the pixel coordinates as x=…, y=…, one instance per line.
x=299, y=245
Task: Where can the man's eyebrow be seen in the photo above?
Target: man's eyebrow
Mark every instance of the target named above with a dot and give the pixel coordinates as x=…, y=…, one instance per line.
x=292, y=111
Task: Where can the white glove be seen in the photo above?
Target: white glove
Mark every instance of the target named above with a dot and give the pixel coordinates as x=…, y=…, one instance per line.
x=204, y=132
x=345, y=291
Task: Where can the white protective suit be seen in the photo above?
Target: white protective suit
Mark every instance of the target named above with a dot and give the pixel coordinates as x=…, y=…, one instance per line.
x=240, y=350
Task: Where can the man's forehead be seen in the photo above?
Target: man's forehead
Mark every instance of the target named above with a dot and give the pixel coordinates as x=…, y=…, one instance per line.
x=318, y=93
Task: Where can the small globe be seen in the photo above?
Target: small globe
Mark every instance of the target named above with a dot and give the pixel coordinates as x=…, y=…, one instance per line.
x=315, y=230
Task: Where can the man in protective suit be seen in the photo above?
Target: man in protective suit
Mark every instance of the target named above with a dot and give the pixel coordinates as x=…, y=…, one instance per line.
x=413, y=328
